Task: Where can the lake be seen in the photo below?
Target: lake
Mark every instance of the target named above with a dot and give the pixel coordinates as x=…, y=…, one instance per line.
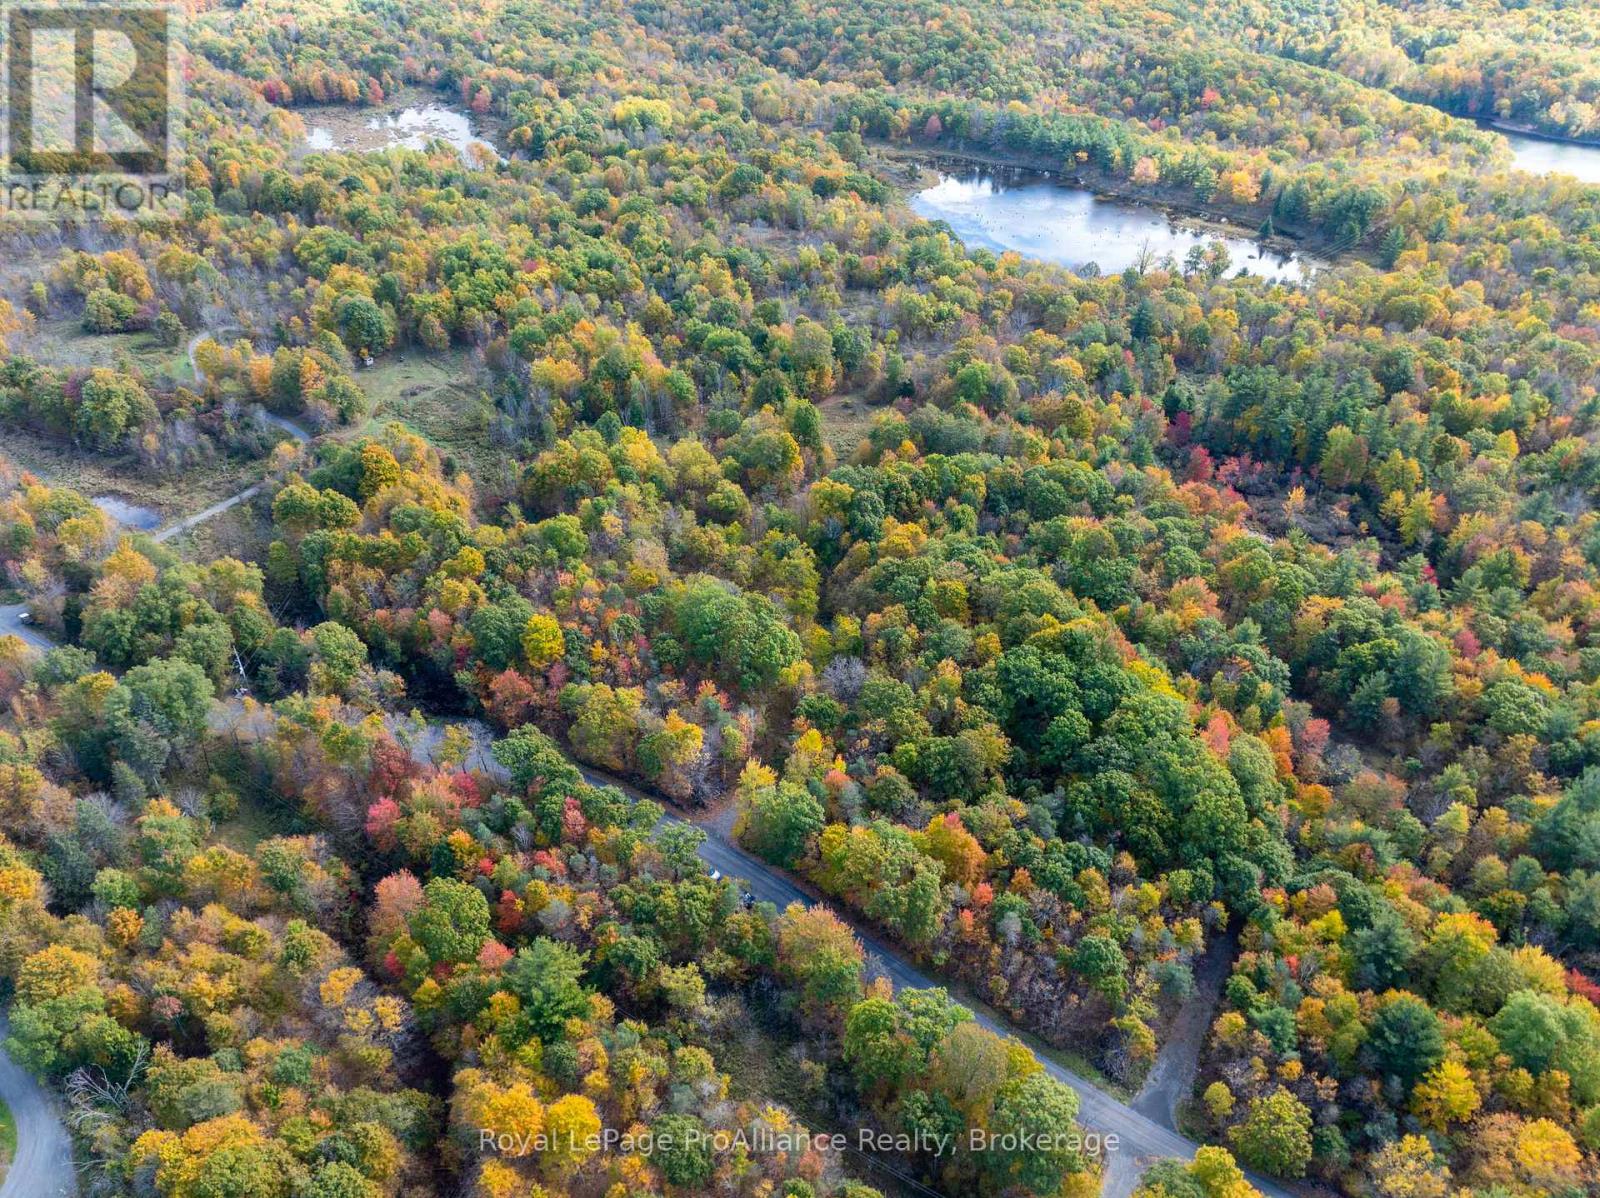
x=1040, y=217
x=129, y=515
x=1541, y=156
x=411, y=128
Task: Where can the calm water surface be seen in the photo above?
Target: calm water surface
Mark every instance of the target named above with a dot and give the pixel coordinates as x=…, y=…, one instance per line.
x=129, y=515
x=1538, y=156
x=1040, y=217
x=410, y=128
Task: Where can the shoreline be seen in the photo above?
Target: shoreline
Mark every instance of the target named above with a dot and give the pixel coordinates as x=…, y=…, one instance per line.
x=1521, y=130
x=1207, y=219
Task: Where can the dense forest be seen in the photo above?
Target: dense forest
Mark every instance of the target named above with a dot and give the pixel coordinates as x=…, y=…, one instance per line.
x=1532, y=64
x=1108, y=647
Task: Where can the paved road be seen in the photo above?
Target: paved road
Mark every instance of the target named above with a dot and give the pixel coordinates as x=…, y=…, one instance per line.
x=1141, y=1140
x=43, y=1165
x=12, y=624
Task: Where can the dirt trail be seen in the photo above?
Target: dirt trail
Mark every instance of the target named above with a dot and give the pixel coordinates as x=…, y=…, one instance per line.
x=1171, y=1078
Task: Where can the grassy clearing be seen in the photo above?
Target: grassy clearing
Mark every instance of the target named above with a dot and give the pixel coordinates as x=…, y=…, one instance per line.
x=760, y=1062
x=437, y=395
x=253, y=824
x=846, y=420
x=61, y=464
x=243, y=531
x=434, y=394
x=61, y=341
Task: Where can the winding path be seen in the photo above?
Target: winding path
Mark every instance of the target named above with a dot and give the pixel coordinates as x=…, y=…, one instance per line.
x=194, y=344
x=14, y=616
x=42, y=1167
x=297, y=431
x=167, y=532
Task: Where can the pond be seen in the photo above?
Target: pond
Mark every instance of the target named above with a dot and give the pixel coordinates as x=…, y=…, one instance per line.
x=1038, y=216
x=411, y=128
x=129, y=515
x=1543, y=156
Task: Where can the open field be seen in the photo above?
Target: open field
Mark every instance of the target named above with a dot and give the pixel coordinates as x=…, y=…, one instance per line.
x=253, y=823
x=846, y=420
x=436, y=396
x=61, y=341
x=243, y=531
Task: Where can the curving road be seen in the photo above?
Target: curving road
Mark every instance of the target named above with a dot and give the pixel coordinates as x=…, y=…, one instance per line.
x=296, y=431
x=43, y=1164
x=300, y=434
x=1145, y=1130
x=13, y=622
x=1141, y=1140
x=1171, y=1078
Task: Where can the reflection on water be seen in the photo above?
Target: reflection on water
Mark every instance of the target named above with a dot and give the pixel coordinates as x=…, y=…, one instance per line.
x=1039, y=217
x=129, y=515
x=410, y=128
x=1539, y=156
